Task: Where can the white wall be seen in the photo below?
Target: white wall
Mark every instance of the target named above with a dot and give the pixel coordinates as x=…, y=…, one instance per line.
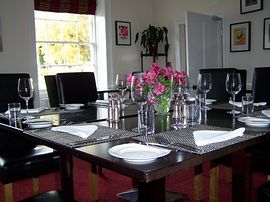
x=18, y=38
x=139, y=13
x=170, y=11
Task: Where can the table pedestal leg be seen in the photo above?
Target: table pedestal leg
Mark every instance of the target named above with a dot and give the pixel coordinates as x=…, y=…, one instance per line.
x=152, y=191
x=66, y=171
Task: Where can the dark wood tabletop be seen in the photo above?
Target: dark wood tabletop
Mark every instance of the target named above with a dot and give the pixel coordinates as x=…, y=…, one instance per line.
x=150, y=176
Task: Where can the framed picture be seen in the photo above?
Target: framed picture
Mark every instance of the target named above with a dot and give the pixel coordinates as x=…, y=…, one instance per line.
x=123, y=33
x=248, y=6
x=240, y=37
x=266, y=33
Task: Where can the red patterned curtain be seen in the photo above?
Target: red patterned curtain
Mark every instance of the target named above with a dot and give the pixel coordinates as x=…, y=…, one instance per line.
x=67, y=6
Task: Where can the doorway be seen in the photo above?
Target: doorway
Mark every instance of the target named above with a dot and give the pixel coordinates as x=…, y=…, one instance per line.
x=199, y=43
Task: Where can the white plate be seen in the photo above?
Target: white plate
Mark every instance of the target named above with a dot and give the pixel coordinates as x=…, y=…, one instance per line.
x=254, y=122
x=71, y=107
x=39, y=123
x=266, y=112
x=137, y=153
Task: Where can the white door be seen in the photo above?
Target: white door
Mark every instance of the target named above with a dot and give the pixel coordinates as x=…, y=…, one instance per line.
x=203, y=43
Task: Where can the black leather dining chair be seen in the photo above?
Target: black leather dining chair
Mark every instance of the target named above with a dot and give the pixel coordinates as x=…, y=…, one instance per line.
x=218, y=90
x=76, y=87
x=260, y=84
x=8, y=89
x=21, y=159
x=52, y=91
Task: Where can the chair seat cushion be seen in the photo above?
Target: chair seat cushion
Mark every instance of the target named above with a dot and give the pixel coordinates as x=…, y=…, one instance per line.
x=51, y=196
x=31, y=163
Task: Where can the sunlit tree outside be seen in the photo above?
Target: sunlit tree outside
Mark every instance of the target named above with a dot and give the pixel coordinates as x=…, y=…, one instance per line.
x=64, y=43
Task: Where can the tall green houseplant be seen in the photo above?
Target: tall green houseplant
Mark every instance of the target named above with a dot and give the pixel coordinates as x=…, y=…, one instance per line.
x=151, y=37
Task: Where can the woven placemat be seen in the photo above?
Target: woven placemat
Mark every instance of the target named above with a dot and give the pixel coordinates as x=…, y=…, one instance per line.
x=185, y=136
x=75, y=141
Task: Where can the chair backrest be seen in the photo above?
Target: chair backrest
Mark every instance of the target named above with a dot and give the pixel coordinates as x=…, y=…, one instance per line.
x=260, y=84
x=9, y=92
x=218, y=90
x=76, y=87
x=243, y=74
x=52, y=90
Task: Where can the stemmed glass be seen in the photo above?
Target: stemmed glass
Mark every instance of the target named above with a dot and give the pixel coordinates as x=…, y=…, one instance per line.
x=121, y=84
x=233, y=86
x=204, y=85
x=26, y=91
x=139, y=95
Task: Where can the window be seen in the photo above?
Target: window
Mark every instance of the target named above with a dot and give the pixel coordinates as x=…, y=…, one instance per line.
x=65, y=43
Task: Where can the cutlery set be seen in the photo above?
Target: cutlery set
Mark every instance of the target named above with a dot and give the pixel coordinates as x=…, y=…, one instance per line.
x=165, y=143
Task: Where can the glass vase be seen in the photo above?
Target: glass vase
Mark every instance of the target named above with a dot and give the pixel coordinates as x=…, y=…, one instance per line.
x=162, y=106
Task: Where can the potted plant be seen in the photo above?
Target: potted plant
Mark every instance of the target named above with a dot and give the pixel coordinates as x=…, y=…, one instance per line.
x=151, y=37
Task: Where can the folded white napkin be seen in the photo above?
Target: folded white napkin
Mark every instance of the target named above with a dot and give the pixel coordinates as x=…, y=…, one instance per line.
x=82, y=131
x=204, y=137
x=239, y=104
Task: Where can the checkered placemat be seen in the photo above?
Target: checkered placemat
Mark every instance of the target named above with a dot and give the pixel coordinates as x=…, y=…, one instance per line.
x=185, y=138
x=75, y=141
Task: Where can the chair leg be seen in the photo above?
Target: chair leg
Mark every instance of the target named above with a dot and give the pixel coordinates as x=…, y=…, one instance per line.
x=213, y=182
x=8, y=193
x=35, y=185
x=93, y=182
x=198, y=183
x=228, y=174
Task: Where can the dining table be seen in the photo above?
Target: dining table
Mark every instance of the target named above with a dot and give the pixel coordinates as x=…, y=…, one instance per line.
x=150, y=175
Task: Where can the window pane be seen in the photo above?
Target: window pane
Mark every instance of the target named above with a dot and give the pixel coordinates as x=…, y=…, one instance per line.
x=41, y=30
x=56, y=54
x=54, y=31
x=85, y=54
x=69, y=31
x=71, y=54
x=83, y=32
x=41, y=53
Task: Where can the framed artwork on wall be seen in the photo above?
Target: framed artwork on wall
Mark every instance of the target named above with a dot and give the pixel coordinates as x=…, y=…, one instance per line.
x=240, y=37
x=248, y=6
x=266, y=33
x=123, y=33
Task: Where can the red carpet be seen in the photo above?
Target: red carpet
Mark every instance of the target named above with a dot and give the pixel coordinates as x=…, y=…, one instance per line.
x=111, y=183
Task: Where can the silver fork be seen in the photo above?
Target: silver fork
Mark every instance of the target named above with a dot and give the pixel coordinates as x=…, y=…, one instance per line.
x=164, y=141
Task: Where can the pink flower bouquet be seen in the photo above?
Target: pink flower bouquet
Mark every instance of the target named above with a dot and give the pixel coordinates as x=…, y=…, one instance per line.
x=158, y=83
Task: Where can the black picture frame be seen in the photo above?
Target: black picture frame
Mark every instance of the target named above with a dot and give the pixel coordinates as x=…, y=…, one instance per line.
x=266, y=33
x=240, y=36
x=248, y=6
x=123, y=33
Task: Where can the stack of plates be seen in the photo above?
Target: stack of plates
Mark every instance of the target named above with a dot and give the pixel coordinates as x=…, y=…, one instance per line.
x=72, y=107
x=39, y=123
x=254, y=122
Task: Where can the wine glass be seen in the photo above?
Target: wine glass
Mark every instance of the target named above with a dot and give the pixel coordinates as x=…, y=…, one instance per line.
x=26, y=91
x=204, y=85
x=139, y=95
x=121, y=84
x=233, y=86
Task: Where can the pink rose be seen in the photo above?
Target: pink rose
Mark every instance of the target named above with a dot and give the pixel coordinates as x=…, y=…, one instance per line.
x=160, y=88
x=129, y=78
